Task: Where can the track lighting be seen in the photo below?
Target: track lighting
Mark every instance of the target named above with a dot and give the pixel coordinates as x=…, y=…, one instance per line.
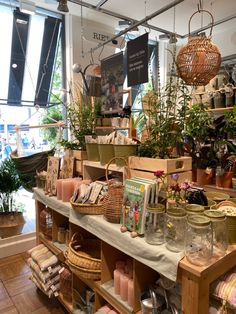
x=27, y=7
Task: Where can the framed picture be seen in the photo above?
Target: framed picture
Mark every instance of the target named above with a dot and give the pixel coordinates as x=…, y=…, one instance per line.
x=52, y=175
x=67, y=168
x=112, y=80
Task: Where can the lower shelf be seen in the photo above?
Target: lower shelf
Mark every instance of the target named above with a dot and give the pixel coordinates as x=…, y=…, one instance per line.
x=68, y=305
x=106, y=290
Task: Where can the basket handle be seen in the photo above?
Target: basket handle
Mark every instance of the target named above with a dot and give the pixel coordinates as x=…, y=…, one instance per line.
x=200, y=11
x=76, y=234
x=110, y=161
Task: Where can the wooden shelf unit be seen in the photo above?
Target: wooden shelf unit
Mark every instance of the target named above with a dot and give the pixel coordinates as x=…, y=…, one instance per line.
x=194, y=280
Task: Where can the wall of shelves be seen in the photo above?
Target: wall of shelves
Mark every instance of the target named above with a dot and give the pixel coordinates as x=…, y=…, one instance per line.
x=150, y=260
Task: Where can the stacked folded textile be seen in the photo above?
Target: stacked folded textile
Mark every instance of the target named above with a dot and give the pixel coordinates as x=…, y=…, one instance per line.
x=45, y=270
x=224, y=288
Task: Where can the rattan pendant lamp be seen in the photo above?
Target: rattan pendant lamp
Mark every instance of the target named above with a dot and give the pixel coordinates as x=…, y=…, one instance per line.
x=199, y=60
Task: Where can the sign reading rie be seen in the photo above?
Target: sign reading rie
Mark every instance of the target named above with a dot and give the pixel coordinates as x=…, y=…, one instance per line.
x=99, y=36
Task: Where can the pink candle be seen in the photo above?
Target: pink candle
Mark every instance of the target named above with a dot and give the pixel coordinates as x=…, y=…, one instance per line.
x=120, y=265
x=59, y=189
x=104, y=309
x=129, y=267
x=131, y=292
x=117, y=273
x=67, y=189
x=124, y=287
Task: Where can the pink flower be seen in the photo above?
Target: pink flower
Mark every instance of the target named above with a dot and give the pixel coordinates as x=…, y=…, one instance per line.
x=159, y=173
x=185, y=185
x=175, y=187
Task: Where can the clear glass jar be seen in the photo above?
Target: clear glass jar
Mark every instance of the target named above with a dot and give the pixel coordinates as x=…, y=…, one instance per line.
x=45, y=222
x=61, y=235
x=175, y=228
x=194, y=209
x=198, y=244
x=220, y=231
x=154, y=227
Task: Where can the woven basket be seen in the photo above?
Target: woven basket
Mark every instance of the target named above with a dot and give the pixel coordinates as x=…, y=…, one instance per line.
x=113, y=201
x=88, y=209
x=198, y=61
x=84, y=253
x=230, y=220
x=92, y=274
x=66, y=284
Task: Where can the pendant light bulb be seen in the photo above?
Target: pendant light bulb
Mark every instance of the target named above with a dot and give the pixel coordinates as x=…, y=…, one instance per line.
x=62, y=6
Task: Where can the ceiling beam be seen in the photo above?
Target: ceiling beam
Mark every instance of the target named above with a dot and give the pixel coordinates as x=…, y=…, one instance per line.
x=224, y=20
x=100, y=4
x=141, y=22
x=126, y=18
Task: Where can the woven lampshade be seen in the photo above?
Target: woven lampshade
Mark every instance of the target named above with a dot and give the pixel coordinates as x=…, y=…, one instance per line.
x=199, y=60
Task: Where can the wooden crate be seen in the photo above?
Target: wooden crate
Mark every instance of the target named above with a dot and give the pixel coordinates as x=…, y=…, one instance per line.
x=186, y=175
x=79, y=156
x=167, y=165
x=145, y=167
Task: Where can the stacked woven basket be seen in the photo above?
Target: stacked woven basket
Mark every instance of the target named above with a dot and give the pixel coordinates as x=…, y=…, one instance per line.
x=84, y=257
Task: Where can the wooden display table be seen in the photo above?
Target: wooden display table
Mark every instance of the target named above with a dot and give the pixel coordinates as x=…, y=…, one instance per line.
x=195, y=281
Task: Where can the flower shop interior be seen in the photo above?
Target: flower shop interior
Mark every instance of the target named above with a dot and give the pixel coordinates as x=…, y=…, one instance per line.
x=118, y=156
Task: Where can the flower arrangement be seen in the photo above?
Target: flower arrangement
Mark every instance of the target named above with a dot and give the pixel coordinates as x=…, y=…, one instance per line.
x=175, y=192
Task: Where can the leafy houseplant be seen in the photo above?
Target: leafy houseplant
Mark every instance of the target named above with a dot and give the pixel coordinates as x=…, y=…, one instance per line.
x=165, y=114
x=198, y=125
x=11, y=216
x=82, y=117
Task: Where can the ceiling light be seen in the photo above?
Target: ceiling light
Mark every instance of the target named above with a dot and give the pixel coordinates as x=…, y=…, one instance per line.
x=164, y=37
x=27, y=7
x=62, y=6
x=170, y=38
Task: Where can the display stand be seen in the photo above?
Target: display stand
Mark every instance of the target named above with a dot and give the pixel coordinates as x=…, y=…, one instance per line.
x=147, y=259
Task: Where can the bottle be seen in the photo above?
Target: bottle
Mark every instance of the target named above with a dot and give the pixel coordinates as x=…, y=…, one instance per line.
x=61, y=235
x=198, y=244
x=220, y=231
x=154, y=227
x=175, y=228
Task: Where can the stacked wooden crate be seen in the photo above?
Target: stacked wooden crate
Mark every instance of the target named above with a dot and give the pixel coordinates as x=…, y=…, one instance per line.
x=145, y=167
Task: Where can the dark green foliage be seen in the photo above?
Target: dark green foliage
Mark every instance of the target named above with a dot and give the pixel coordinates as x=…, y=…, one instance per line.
x=9, y=183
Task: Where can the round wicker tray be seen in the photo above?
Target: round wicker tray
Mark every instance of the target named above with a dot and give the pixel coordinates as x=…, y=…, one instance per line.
x=84, y=253
x=84, y=272
x=88, y=209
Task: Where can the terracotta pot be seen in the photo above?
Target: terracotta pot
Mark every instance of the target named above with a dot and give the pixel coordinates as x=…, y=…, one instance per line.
x=204, y=178
x=11, y=224
x=225, y=181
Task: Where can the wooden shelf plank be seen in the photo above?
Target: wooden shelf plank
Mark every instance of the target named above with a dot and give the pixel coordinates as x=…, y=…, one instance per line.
x=55, y=250
x=107, y=292
x=224, y=109
x=68, y=305
x=216, y=267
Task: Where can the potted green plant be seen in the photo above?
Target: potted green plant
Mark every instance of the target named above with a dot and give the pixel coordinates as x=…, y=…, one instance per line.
x=165, y=115
x=11, y=212
x=82, y=117
x=198, y=142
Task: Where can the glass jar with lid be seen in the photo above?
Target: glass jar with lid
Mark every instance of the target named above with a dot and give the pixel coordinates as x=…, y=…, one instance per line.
x=194, y=209
x=220, y=231
x=61, y=235
x=154, y=227
x=198, y=243
x=175, y=228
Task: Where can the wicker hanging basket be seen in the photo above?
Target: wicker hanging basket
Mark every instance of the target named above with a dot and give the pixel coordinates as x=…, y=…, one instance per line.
x=199, y=60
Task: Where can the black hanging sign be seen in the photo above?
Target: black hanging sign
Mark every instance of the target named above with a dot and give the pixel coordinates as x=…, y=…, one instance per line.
x=137, y=60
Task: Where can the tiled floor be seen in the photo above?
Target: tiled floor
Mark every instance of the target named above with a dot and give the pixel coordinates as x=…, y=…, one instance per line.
x=18, y=295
